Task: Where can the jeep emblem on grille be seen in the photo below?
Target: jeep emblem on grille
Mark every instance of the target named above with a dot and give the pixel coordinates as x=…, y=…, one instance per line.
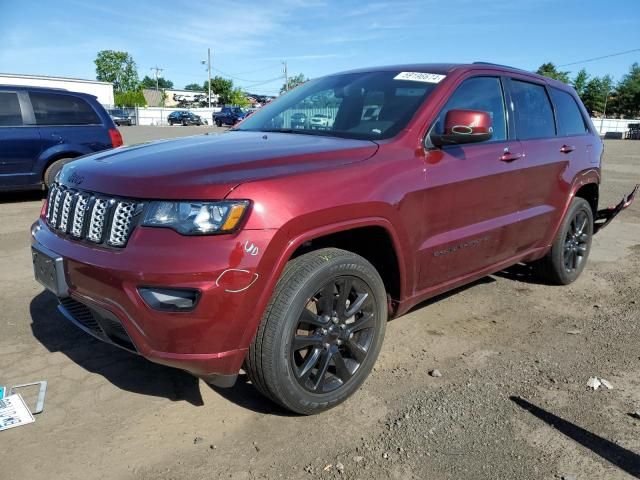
x=75, y=178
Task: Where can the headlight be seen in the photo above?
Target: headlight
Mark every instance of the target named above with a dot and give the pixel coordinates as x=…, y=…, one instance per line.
x=196, y=218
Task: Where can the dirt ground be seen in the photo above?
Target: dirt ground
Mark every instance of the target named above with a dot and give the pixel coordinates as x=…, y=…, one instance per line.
x=512, y=401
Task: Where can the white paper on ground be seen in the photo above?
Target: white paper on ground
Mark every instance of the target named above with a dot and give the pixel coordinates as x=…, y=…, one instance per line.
x=14, y=412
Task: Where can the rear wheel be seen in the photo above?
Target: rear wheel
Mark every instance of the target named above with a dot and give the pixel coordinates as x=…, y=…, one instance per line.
x=218, y=123
x=321, y=332
x=568, y=255
x=53, y=169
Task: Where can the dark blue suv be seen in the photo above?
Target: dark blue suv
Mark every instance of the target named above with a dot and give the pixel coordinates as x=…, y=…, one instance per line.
x=41, y=129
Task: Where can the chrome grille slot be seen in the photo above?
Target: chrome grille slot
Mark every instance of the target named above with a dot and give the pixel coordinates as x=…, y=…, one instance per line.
x=121, y=223
x=97, y=221
x=56, y=207
x=90, y=216
x=79, y=215
x=66, y=210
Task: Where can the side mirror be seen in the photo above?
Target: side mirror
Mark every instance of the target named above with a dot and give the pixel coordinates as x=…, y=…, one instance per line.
x=464, y=126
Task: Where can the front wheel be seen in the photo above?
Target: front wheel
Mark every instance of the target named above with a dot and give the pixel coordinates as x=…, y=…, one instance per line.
x=321, y=333
x=568, y=255
x=218, y=123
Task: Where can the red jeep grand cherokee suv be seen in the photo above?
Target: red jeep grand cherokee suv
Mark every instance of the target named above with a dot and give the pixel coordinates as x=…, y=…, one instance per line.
x=284, y=250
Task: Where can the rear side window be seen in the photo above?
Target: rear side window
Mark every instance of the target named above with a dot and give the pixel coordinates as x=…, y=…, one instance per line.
x=533, y=113
x=478, y=93
x=570, y=120
x=10, y=114
x=59, y=109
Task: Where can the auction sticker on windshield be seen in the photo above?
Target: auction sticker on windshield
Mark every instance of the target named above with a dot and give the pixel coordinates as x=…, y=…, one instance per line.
x=420, y=77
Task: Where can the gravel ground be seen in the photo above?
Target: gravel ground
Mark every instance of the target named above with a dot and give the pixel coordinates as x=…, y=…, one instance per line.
x=511, y=402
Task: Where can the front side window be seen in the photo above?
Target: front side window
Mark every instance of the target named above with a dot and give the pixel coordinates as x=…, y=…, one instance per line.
x=365, y=105
x=10, y=113
x=533, y=113
x=60, y=109
x=478, y=93
x=570, y=120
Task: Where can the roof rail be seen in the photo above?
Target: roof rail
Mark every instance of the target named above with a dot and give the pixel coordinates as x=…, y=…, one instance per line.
x=499, y=65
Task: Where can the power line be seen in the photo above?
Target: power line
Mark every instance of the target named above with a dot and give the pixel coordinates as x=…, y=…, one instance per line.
x=238, y=78
x=600, y=58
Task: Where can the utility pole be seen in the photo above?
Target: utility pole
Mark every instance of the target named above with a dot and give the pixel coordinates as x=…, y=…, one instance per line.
x=286, y=77
x=157, y=71
x=208, y=61
x=604, y=113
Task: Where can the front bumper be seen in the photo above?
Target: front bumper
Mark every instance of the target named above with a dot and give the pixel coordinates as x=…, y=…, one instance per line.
x=211, y=340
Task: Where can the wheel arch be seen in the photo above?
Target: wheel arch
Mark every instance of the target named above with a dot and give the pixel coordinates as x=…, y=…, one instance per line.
x=323, y=236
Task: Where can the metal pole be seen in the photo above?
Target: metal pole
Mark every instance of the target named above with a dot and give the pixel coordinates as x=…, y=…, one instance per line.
x=209, y=63
x=604, y=113
x=286, y=77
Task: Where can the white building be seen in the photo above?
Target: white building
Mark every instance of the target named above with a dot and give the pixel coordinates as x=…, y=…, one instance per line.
x=102, y=90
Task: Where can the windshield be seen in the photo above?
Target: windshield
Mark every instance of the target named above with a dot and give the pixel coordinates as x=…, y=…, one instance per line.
x=368, y=105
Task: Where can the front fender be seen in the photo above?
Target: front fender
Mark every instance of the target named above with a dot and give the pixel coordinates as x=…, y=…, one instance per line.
x=283, y=245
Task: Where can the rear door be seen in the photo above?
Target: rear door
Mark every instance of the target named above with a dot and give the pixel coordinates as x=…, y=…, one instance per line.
x=470, y=201
x=19, y=141
x=68, y=123
x=550, y=148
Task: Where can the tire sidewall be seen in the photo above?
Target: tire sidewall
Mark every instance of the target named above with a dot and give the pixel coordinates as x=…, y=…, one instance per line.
x=290, y=391
x=557, y=253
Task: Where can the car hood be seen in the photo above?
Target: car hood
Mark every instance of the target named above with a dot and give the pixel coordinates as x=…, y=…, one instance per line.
x=209, y=166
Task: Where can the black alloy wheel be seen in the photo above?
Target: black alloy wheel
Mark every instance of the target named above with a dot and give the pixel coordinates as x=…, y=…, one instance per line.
x=333, y=335
x=576, y=243
x=321, y=332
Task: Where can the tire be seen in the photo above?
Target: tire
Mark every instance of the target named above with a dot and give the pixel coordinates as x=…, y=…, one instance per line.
x=312, y=373
x=53, y=169
x=184, y=123
x=570, y=250
x=218, y=123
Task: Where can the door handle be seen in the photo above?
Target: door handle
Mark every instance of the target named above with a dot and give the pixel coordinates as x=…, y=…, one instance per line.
x=567, y=148
x=507, y=156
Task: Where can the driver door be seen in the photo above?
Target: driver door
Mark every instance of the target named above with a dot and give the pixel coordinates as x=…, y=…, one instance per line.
x=471, y=197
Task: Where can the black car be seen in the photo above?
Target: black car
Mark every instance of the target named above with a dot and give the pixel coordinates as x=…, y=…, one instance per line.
x=121, y=117
x=185, y=118
x=298, y=120
x=229, y=116
x=41, y=129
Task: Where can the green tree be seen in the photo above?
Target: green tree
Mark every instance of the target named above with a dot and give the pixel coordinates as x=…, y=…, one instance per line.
x=595, y=92
x=628, y=93
x=293, y=82
x=579, y=82
x=130, y=98
x=194, y=87
x=549, y=70
x=221, y=87
x=117, y=68
x=148, y=82
x=238, y=97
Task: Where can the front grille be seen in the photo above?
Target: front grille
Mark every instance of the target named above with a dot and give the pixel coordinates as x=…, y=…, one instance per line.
x=98, y=218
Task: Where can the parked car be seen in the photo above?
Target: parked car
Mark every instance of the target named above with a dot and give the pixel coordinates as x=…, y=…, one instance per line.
x=286, y=251
x=121, y=117
x=184, y=118
x=229, y=116
x=43, y=128
x=321, y=121
x=298, y=120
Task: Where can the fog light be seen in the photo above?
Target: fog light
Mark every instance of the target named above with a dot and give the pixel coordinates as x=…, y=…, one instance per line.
x=170, y=299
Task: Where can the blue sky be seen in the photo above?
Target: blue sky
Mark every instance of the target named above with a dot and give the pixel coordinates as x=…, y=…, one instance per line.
x=250, y=38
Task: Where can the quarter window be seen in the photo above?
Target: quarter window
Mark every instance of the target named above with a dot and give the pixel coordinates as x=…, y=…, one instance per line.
x=10, y=114
x=58, y=109
x=570, y=120
x=533, y=113
x=478, y=93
